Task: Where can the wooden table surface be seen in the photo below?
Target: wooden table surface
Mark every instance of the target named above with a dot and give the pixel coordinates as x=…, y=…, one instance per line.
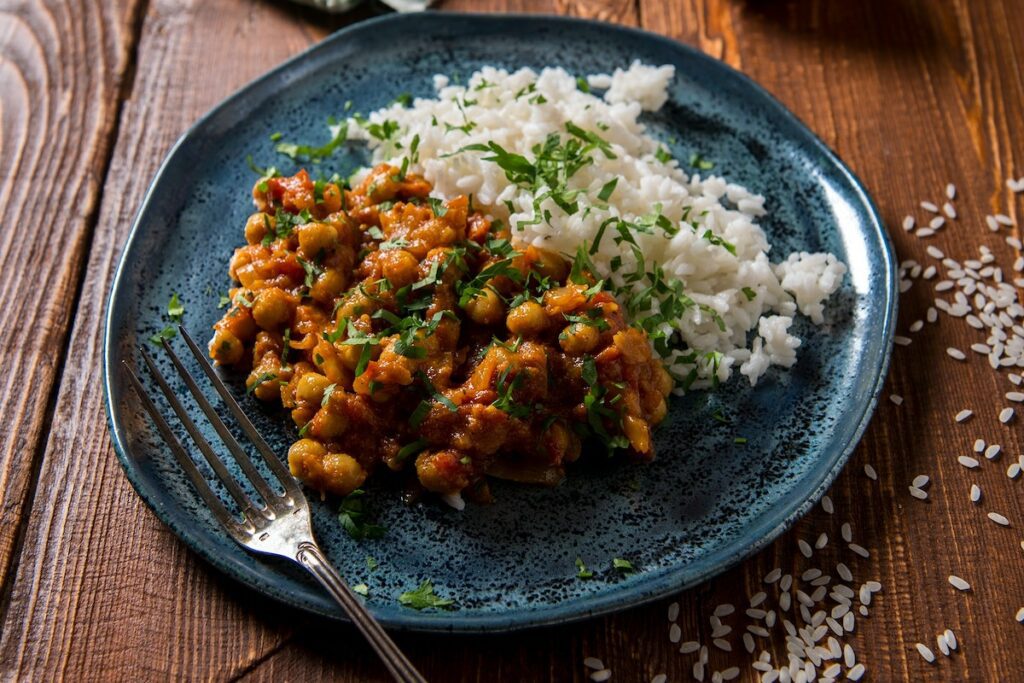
x=912, y=94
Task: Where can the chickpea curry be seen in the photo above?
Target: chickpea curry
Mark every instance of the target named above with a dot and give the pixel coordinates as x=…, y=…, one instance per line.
x=411, y=334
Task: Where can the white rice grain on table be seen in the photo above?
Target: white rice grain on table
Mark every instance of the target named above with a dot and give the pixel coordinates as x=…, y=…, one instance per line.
x=959, y=583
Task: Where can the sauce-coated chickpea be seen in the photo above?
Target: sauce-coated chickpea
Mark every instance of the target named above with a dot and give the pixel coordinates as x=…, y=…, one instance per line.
x=225, y=348
x=486, y=308
x=400, y=267
x=257, y=227
x=527, y=319
x=579, y=338
x=316, y=239
x=272, y=308
x=311, y=387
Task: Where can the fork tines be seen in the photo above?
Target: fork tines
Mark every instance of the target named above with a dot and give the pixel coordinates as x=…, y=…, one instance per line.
x=255, y=515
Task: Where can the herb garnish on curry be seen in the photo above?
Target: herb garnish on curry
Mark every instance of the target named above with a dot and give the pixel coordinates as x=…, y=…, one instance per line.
x=407, y=332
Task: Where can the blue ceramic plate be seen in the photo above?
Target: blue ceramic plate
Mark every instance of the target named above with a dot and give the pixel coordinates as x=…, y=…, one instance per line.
x=705, y=504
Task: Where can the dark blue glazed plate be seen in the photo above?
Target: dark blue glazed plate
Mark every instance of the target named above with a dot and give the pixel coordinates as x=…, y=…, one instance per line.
x=705, y=504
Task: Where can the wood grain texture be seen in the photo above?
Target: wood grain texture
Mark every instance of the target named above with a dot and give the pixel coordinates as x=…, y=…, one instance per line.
x=911, y=94
x=94, y=600
x=57, y=113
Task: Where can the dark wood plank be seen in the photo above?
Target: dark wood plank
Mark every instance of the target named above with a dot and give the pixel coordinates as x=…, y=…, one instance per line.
x=102, y=590
x=57, y=117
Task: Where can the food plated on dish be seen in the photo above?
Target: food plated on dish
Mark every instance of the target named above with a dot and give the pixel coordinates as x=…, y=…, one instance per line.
x=534, y=295
x=733, y=465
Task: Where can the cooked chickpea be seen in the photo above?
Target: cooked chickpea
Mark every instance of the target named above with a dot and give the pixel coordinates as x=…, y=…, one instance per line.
x=578, y=338
x=659, y=412
x=264, y=386
x=400, y=267
x=527, y=319
x=225, y=348
x=311, y=387
x=257, y=227
x=638, y=433
x=486, y=308
x=316, y=239
x=551, y=264
x=304, y=453
x=328, y=425
x=328, y=286
x=344, y=474
x=272, y=308
x=331, y=201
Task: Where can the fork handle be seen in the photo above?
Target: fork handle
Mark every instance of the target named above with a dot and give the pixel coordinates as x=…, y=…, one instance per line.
x=312, y=558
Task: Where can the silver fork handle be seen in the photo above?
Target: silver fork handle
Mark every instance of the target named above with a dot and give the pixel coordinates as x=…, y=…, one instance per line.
x=312, y=558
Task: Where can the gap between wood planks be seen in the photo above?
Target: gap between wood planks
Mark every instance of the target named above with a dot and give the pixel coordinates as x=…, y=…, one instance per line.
x=9, y=573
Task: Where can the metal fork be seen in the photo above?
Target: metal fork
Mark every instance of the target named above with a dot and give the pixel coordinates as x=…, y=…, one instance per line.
x=281, y=524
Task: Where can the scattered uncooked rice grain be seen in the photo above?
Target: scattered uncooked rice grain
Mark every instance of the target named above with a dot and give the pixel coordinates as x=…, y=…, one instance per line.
x=940, y=642
x=964, y=415
x=660, y=678
x=675, y=633
x=950, y=638
x=979, y=445
x=918, y=493
x=602, y=675
x=896, y=398
x=673, y=611
x=722, y=644
x=855, y=673
x=1013, y=471
x=846, y=531
x=1020, y=615
x=929, y=206
x=724, y=610
x=950, y=191
x=773, y=576
x=730, y=673
x=1006, y=414
x=805, y=548
x=593, y=663
x=926, y=653
x=949, y=210
x=936, y=223
x=992, y=451
x=821, y=542
x=959, y=583
x=975, y=493
x=955, y=353
x=826, y=505
x=872, y=475
x=992, y=224
x=999, y=519
x=745, y=334
x=844, y=572
x=967, y=461
x=1015, y=396
x=860, y=550
x=689, y=646
x=901, y=340
x=908, y=223
x=920, y=481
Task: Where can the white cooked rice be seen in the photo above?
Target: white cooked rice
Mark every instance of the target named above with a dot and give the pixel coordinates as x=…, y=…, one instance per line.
x=756, y=331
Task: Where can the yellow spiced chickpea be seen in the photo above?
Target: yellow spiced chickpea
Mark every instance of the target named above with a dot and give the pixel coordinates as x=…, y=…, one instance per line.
x=311, y=387
x=527, y=319
x=400, y=268
x=328, y=425
x=579, y=338
x=316, y=239
x=332, y=198
x=225, y=348
x=272, y=308
x=486, y=307
x=257, y=227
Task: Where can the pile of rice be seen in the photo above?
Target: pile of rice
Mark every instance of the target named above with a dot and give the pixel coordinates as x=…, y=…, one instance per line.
x=754, y=298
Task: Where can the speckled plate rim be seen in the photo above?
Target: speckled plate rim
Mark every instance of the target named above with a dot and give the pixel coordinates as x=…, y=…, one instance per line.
x=657, y=585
